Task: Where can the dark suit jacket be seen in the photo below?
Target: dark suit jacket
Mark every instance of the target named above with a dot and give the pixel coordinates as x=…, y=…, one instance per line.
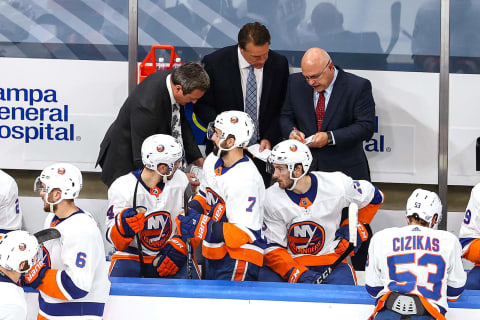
x=350, y=115
x=225, y=91
x=147, y=111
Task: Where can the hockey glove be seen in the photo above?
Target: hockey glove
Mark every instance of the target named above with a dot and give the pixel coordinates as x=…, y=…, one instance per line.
x=35, y=276
x=199, y=226
x=343, y=235
x=302, y=275
x=130, y=222
x=171, y=258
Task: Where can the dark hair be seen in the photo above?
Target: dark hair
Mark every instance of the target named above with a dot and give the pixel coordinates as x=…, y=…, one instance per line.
x=254, y=32
x=191, y=76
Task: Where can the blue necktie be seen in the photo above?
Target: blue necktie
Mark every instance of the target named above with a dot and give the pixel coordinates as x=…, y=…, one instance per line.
x=251, y=102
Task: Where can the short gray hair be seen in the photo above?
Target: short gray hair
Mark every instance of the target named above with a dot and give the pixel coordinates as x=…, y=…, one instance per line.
x=191, y=76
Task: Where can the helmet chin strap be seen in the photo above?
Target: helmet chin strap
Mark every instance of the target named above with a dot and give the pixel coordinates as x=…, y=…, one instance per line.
x=164, y=176
x=50, y=203
x=220, y=148
x=295, y=180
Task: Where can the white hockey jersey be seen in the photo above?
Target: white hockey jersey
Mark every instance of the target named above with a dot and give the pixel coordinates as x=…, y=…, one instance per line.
x=10, y=214
x=470, y=229
x=306, y=224
x=162, y=204
x=235, y=195
x=80, y=276
x=416, y=260
x=13, y=305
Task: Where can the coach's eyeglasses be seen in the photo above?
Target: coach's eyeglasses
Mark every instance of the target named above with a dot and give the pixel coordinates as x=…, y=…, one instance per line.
x=316, y=76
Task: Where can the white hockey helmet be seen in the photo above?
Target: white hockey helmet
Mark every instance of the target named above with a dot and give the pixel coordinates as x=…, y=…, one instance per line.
x=235, y=123
x=425, y=205
x=63, y=176
x=161, y=149
x=16, y=247
x=290, y=152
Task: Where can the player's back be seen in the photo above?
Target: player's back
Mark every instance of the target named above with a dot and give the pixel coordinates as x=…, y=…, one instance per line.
x=416, y=260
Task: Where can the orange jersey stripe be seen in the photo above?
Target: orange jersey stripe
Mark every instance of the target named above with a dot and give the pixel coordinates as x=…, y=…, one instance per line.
x=280, y=261
x=49, y=285
x=473, y=252
x=249, y=255
x=120, y=242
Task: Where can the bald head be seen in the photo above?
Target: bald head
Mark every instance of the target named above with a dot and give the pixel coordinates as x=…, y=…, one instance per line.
x=317, y=68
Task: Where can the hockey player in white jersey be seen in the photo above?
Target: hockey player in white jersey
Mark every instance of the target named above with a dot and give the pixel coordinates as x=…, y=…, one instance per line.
x=18, y=251
x=72, y=278
x=303, y=218
x=10, y=214
x=413, y=270
x=227, y=213
x=470, y=238
x=147, y=201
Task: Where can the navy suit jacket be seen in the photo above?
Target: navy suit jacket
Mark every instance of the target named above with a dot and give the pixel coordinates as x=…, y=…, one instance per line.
x=225, y=92
x=350, y=115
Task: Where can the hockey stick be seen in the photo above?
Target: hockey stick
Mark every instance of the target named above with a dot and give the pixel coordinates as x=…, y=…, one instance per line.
x=47, y=234
x=188, y=243
x=137, y=236
x=395, y=10
x=352, y=228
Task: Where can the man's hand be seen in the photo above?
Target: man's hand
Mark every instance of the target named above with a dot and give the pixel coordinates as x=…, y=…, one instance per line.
x=302, y=275
x=343, y=235
x=264, y=144
x=319, y=140
x=193, y=180
x=297, y=135
x=199, y=162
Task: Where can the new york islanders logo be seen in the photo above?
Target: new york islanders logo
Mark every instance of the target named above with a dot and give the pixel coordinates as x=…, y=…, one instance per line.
x=306, y=237
x=22, y=246
x=215, y=205
x=61, y=171
x=293, y=148
x=157, y=230
x=160, y=148
x=234, y=120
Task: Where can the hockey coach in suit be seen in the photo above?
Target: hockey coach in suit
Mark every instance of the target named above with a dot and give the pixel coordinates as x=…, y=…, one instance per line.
x=149, y=110
x=228, y=69
x=346, y=120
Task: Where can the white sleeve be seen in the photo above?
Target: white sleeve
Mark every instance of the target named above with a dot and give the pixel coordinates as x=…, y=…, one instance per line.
x=275, y=228
x=456, y=275
x=117, y=202
x=373, y=274
x=471, y=222
x=245, y=204
x=12, y=312
x=360, y=192
x=81, y=253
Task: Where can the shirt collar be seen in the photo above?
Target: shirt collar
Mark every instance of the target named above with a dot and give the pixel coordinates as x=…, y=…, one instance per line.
x=328, y=91
x=169, y=87
x=242, y=63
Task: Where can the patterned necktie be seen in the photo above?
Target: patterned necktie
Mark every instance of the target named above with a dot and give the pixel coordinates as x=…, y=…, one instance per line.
x=176, y=127
x=320, y=110
x=251, y=102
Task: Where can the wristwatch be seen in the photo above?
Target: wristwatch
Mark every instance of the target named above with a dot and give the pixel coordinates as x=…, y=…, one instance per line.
x=330, y=138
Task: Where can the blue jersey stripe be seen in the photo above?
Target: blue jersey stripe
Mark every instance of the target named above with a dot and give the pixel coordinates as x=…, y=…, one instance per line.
x=71, y=308
x=74, y=291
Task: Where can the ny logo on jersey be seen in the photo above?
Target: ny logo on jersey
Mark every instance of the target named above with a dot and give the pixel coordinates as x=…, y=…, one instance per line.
x=157, y=230
x=306, y=237
x=215, y=205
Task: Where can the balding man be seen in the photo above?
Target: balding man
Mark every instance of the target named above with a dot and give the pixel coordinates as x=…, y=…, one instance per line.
x=337, y=109
x=334, y=106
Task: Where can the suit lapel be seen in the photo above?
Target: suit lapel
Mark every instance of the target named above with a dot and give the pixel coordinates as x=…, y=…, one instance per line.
x=266, y=86
x=236, y=82
x=334, y=100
